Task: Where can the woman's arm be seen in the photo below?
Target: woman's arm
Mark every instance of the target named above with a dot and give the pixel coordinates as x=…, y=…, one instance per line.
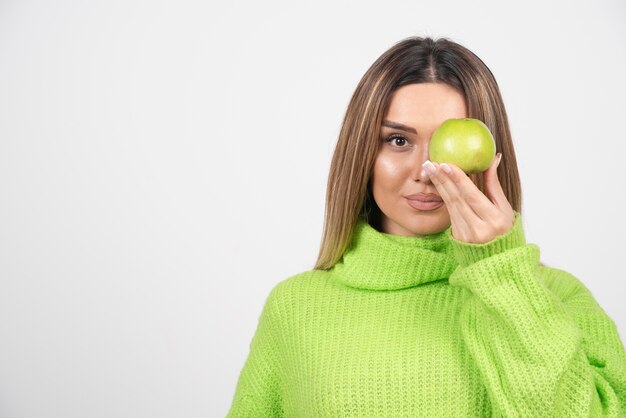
x=258, y=389
x=543, y=345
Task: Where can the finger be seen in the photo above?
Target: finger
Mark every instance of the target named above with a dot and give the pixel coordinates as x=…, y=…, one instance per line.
x=461, y=216
x=470, y=193
x=493, y=188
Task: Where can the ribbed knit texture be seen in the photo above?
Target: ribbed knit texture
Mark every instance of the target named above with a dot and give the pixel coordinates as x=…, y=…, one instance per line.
x=433, y=327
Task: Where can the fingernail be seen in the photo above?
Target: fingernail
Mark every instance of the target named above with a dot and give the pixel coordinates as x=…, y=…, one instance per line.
x=429, y=167
x=499, y=159
x=445, y=167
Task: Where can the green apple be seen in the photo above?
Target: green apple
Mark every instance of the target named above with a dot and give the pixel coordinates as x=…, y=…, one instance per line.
x=464, y=142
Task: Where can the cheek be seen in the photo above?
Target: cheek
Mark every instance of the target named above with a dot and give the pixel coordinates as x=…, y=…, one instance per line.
x=388, y=173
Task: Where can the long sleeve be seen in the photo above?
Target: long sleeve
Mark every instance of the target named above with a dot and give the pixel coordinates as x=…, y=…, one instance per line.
x=258, y=388
x=542, y=344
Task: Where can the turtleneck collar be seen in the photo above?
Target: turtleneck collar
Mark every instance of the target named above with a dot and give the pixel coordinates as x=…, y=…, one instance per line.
x=379, y=261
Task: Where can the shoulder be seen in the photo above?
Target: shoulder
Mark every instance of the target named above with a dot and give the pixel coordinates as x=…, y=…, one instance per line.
x=581, y=304
x=561, y=282
x=295, y=290
x=299, y=283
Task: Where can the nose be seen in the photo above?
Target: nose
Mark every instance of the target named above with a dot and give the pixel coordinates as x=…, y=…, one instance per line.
x=417, y=170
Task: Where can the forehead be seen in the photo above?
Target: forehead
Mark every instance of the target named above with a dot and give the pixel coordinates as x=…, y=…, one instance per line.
x=425, y=101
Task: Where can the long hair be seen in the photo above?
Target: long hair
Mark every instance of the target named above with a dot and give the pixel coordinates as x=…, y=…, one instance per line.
x=412, y=60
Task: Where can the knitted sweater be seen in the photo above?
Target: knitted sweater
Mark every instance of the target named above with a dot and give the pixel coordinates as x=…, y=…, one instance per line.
x=433, y=327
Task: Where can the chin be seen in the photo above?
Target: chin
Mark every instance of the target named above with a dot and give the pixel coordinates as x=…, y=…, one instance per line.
x=417, y=223
x=428, y=228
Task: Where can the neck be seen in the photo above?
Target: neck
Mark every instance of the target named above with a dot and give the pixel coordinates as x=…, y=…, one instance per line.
x=380, y=261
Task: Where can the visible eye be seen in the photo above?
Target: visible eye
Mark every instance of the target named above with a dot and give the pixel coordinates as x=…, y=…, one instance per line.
x=397, y=139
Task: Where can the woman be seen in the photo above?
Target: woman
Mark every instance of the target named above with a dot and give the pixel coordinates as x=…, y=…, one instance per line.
x=428, y=309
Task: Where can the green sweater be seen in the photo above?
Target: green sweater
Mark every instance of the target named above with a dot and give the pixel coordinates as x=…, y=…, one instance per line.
x=433, y=327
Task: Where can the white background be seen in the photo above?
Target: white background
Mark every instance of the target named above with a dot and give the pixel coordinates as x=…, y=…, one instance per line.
x=163, y=165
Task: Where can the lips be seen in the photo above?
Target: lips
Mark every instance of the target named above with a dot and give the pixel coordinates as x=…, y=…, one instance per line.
x=425, y=197
x=424, y=206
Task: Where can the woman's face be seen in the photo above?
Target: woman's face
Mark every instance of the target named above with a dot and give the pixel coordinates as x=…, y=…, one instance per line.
x=420, y=108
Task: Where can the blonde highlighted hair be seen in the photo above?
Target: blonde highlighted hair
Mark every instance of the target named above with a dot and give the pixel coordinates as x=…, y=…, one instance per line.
x=412, y=60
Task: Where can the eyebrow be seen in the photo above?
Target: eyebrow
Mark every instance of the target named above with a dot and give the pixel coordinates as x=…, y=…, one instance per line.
x=400, y=126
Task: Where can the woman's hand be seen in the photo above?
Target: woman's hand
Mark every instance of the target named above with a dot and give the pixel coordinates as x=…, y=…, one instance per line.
x=474, y=217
